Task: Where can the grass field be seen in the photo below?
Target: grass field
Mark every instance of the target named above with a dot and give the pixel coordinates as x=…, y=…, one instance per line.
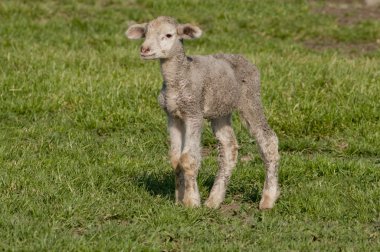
x=83, y=142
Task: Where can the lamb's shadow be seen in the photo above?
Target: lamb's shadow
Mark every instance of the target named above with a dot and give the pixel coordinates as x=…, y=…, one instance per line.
x=163, y=185
x=241, y=191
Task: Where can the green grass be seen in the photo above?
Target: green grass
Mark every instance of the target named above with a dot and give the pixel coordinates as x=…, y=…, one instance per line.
x=83, y=142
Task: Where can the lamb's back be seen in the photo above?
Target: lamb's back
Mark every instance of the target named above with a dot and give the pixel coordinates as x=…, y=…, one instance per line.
x=216, y=76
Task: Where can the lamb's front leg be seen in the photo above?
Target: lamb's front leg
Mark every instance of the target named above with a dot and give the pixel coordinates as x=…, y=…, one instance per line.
x=177, y=133
x=190, y=161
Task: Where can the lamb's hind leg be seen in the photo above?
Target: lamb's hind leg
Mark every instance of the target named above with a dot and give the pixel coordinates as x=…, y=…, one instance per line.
x=253, y=115
x=228, y=150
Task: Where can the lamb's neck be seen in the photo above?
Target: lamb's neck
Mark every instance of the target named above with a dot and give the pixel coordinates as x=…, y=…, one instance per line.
x=174, y=68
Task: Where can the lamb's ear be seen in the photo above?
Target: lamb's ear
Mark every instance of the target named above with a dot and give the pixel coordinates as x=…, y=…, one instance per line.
x=188, y=31
x=136, y=31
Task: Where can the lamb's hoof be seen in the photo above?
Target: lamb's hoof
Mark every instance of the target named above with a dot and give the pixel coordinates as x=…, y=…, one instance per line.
x=191, y=202
x=267, y=201
x=266, y=204
x=210, y=203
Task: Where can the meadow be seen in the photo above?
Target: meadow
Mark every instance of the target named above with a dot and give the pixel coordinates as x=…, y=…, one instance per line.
x=83, y=141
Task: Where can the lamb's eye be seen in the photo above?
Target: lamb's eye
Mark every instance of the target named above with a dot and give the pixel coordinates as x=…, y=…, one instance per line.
x=168, y=35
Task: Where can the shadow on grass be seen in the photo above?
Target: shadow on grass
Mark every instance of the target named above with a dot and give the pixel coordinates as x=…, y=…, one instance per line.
x=157, y=184
x=163, y=185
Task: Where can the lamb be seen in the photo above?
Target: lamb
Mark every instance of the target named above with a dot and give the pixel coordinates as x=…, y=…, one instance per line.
x=206, y=87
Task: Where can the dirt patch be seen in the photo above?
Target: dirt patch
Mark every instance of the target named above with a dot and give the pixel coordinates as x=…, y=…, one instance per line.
x=230, y=209
x=347, y=13
x=240, y=211
x=348, y=48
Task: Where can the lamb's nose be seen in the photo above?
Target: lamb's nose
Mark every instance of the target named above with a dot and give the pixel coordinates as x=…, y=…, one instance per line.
x=144, y=49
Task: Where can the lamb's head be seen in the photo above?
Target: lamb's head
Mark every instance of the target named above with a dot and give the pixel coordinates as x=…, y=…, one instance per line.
x=163, y=37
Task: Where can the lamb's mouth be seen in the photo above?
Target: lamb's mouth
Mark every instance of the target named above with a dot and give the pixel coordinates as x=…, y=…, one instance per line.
x=147, y=56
